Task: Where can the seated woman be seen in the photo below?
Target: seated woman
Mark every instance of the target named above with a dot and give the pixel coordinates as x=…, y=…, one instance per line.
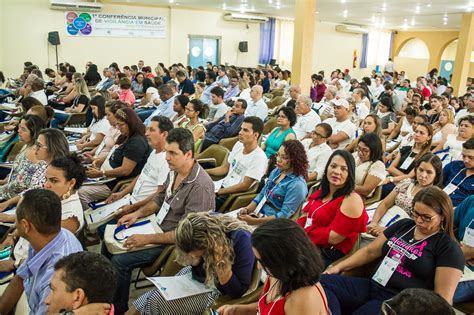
x=293, y=265
x=418, y=253
x=452, y=147
x=428, y=172
x=26, y=166
x=370, y=170
x=403, y=165
x=125, y=93
x=285, y=189
x=443, y=128
x=195, y=112
x=99, y=127
x=50, y=145
x=335, y=214
x=386, y=115
x=371, y=123
x=286, y=119
x=137, y=85
x=404, y=126
x=79, y=105
x=101, y=151
x=125, y=161
x=179, y=106
x=217, y=251
x=64, y=176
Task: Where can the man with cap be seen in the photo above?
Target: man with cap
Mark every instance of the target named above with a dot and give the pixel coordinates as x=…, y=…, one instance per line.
x=343, y=130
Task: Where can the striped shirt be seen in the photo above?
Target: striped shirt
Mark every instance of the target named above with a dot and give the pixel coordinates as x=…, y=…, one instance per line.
x=38, y=269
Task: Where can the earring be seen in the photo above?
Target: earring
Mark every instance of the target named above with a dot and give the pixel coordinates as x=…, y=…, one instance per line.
x=67, y=195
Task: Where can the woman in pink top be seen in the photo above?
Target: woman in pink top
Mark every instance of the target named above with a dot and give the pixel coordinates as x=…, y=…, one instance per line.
x=126, y=95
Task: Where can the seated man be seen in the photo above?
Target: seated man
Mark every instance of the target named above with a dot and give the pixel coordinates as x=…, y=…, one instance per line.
x=458, y=176
x=307, y=118
x=233, y=89
x=150, y=181
x=343, y=130
x=257, y=106
x=324, y=107
x=164, y=109
x=82, y=283
x=246, y=164
x=188, y=188
x=225, y=127
x=38, y=220
x=294, y=92
x=217, y=108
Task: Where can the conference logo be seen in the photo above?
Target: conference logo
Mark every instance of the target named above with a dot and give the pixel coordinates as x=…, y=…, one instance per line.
x=78, y=24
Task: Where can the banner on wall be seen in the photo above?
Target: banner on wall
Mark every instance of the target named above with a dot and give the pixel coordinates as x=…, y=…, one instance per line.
x=115, y=25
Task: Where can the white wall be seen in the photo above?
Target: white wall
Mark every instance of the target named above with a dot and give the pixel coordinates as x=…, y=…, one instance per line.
x=27, y=33
x=415, y=48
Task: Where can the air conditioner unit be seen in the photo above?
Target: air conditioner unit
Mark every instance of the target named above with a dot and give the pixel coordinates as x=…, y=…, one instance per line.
x=247, y=18
x=75, y=6
x=351, y=29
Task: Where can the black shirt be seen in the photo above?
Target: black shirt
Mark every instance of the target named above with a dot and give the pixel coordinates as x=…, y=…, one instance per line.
x=419, y=262
x=186, y=87
x=406, y=152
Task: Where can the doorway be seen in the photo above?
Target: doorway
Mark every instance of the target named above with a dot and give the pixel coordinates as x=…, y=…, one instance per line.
x=203, y=49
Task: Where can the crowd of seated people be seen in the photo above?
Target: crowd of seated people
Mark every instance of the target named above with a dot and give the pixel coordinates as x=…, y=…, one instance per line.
x=309, y=187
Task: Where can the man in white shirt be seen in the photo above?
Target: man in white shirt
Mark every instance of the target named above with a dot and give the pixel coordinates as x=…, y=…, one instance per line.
x=307, y=118
x=149, y=183
x=295, y=92
x=318, y=151
x=324, y=108
x=246, y=164
x=218, y=108
x=37, y=91
x=257, y=107
x=343, y=130
x=389, y=66
x=378, y=88
x=468, y=110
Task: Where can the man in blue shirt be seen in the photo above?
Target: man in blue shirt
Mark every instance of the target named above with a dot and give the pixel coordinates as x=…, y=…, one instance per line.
x=458, y=176
x=166, y=106
x=186, y=87
x=38, y=220
x=210, y=84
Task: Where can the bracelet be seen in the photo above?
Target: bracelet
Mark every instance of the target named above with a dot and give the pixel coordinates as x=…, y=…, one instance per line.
x=103, y=173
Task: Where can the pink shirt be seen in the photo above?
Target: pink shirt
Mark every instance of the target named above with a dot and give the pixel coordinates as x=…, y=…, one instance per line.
x=127, y=96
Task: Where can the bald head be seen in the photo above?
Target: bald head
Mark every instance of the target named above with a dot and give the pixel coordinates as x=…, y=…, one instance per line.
x=295, y=91
x=256, y=93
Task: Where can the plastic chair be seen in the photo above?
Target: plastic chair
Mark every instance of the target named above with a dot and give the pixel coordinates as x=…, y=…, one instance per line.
x=157, y=266
x=275, y=102
x=269, y=125
x=241, y=201
x=215, y=155
x=232, y=197
x=229, y=142
x=75, y=119
x=122, y=184
x=377, y=196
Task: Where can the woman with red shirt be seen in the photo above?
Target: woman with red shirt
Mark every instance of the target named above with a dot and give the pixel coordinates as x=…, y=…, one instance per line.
x=335, y=213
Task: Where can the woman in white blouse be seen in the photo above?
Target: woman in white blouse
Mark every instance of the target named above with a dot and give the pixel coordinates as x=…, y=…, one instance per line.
x=453, y=144
x=370, y=170
x=443, y=127
x=99, y=126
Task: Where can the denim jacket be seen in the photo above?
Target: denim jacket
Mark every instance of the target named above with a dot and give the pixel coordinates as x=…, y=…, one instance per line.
x=283, y=198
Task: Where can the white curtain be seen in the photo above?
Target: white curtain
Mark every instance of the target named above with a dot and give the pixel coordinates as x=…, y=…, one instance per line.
x=378, y=50
x=283, y=49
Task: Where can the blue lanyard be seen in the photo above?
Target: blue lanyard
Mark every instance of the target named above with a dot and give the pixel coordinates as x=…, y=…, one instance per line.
x=123, y=227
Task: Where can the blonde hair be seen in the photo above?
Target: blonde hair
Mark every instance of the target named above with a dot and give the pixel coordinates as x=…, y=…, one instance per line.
x=81, y=87
x=243, y=84
x=449, y=114
x=204, y=231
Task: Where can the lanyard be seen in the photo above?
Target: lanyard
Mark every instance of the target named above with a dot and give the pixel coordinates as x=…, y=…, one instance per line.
x=404, y=251
x=315, y=210
x=123, y=227
x=457, y=176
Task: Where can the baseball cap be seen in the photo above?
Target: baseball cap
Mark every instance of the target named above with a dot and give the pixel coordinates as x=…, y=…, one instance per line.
x=338, y=101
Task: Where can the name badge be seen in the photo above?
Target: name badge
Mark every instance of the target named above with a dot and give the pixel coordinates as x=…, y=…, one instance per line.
x=450, y=188
x=408, y=161
x=309, y=222
x=468, y=238
x=385, y=270
x=138, y=185
x=260, y=205
x=165, y=208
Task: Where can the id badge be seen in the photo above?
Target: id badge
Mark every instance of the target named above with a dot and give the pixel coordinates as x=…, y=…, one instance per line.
x=260, y=205
x=468, y=238
x=309, y=222
x=385, y=270
x=137, y=187
x=407, y=163
x=450, y=188
x=165, y=208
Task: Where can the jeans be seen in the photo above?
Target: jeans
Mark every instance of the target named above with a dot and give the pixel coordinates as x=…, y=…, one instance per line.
x=144, y=113
x=464, y=292
x=59, y=118
x=124, y=264
x=351, y=295
x=387, y=189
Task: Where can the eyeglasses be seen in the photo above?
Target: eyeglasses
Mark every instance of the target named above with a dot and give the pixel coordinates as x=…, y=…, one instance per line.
x=363, y=150
x=424, y=217
x=314, y=133
x=283, y=157
x=38, y=146
x=188, y=109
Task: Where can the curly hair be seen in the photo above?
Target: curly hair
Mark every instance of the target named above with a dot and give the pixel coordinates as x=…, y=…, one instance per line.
x=298, y=158
x=204, y=231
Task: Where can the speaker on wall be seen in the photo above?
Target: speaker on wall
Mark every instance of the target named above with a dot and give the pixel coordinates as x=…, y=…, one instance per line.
x=53, y=38
x=243, y=46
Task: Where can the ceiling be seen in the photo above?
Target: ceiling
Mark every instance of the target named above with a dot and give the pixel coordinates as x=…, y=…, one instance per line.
x=385, y=14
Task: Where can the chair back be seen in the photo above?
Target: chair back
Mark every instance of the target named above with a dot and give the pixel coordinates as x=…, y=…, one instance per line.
x=214, y=154
x=229, y=143
x=269, y=125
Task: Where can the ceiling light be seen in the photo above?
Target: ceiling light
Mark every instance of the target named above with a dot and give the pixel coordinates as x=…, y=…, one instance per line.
x=171, y=1
x=344, y=13
x=445, y=23
x=242, y=9
x=405, y=26
x=384, y=7
x=278, y=7
x=417, y=9
x=270, y=1
x=343, y=1
x=428, y=5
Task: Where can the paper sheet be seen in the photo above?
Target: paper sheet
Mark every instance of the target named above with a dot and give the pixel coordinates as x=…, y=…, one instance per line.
x=75, y=130
x=233, y=214
x=107, y=210
x=172, y=288
x=8, y=106
x=218, y=184
x=141, y=229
